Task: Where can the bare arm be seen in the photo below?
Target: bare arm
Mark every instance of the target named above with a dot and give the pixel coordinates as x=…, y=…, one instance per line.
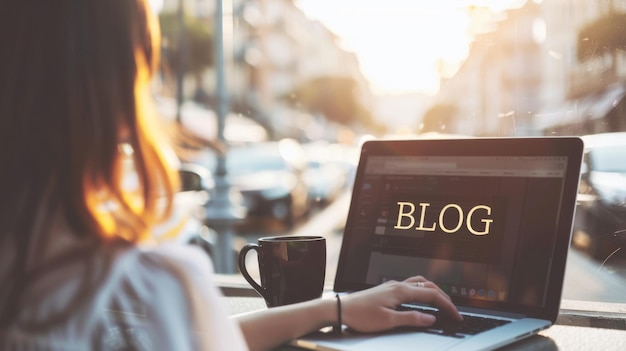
x=366, y=311
x=269, y=328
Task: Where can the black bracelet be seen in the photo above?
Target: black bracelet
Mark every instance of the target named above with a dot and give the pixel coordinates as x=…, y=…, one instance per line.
x=338, y=327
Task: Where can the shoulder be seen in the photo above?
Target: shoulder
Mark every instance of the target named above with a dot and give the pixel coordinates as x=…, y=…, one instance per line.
x=167, y=270
x=161, y=297
x=171, y=286
x=172, y=256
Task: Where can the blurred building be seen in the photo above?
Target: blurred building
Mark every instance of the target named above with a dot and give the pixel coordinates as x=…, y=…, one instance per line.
x=523, y=77
x=582, y=97
x=271, y=47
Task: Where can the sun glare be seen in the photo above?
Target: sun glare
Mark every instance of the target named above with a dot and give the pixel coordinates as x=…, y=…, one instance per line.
x=402, y=45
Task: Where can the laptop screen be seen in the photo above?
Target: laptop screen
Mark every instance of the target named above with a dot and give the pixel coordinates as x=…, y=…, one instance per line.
x=483, y=227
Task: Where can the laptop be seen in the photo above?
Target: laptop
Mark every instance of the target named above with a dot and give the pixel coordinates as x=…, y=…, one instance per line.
x=487, y=219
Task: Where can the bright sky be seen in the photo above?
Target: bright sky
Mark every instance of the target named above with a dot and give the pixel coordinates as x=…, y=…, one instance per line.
x=401, y=43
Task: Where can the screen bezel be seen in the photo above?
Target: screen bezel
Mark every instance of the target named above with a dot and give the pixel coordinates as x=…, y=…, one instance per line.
x=570, y=147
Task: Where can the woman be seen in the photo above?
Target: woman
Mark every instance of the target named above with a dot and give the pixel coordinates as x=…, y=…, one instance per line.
x=78, y=266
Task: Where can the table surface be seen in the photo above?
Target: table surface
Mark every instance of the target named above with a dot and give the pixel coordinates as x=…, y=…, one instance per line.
x=557, y=337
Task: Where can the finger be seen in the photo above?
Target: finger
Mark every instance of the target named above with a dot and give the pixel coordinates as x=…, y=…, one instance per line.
x=437, y=299
x=415, y=279
x=422, y=282
x=412, y=318
x=443, y=302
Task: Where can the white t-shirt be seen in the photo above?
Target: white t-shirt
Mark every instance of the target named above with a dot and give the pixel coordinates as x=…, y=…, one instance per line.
x=158, y=298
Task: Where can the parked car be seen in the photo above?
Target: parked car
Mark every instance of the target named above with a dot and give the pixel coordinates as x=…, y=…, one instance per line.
x=325, y=181
x=187, y=220
x=600, y=223
x=269, y=176
x=326, y=175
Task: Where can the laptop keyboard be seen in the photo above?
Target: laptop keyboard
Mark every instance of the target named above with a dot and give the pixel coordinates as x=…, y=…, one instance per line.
x=470, y=325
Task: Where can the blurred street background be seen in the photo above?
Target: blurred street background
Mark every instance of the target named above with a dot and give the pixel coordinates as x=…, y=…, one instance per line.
x=283, y=92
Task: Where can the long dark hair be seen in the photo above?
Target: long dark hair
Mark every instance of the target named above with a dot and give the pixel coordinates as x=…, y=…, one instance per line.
x=74, y=78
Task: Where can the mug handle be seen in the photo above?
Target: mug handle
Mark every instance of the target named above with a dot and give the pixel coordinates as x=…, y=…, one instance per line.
x=244, y=270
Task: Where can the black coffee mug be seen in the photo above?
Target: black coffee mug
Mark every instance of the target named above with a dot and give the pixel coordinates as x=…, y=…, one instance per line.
x=292, y=268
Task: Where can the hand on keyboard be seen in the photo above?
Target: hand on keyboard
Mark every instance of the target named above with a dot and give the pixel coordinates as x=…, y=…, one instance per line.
x=470, y=325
